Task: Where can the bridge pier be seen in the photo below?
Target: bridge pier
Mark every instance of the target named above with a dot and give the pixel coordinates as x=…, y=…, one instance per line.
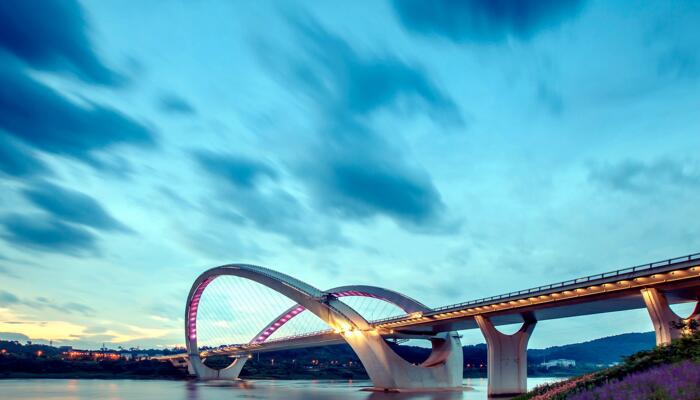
x=506, y=357
x=197, y=367
x=662, y=315
x=387, y=370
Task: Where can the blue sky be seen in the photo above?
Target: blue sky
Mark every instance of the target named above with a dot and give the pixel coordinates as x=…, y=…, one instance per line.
x=447, y=150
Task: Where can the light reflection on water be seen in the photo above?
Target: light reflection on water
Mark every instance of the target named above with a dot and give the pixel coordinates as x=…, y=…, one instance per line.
x=85, y=389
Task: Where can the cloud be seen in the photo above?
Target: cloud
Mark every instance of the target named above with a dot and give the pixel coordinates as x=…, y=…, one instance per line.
x=79, y=308
x=52, y=35
x=7, y=298
x=238, y=171
x=13, y=336
x=46, y=234
x=639, y=176
x=39, y=116
x=7, y=272
x=115, y=332
x=39, y=330
x=18, y=161
x=245, y=198
x=484, y=21
x=133, y=332
x=69, y=307
x=364, y=190
x=679, y=63
x=675, y=40
x=343, y=81
x=356, y=171
x=174, y=104
x=72, y=206
x=551, y=99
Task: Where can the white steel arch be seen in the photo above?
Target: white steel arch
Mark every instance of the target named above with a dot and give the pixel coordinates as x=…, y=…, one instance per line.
x=385, y=368
x=405, y=303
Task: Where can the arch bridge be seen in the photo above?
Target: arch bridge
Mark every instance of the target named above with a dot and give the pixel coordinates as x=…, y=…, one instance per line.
x=652, y=286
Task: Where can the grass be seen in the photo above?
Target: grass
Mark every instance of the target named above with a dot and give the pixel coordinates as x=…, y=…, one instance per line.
x=648, y=372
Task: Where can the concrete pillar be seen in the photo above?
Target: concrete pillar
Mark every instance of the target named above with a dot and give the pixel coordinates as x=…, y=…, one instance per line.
x=662, y=315
x=206, y=373
x=388, y=371
x=507, y=357
x=190, y=369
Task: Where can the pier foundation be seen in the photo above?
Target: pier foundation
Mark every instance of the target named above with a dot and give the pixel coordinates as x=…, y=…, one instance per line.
x=506, y=357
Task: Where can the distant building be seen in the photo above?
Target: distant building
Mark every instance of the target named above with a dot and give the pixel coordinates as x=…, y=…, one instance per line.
x=561, y=363
x=90, y=355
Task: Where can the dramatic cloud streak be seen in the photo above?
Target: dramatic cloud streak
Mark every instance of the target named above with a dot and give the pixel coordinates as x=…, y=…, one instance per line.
x=38, y=233
x=73, y=206
x=174, y=104
x=19, y=161
x=52, y=35
x=235, y=170
x=358, y=172
x=244, y=198
x=642, y=176
x=448, y=150
x=44, y=119
x=484, y=21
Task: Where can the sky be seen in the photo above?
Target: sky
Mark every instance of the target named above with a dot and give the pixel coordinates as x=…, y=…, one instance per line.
x=446, y=150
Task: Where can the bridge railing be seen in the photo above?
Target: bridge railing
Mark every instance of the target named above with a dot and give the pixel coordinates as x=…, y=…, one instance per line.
x=590, y=278
x=612, y=274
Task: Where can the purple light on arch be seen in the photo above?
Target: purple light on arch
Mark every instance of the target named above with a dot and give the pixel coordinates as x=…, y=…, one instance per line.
x=194, y=306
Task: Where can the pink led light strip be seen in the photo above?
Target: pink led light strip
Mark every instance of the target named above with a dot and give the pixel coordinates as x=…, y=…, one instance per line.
x=194, y=305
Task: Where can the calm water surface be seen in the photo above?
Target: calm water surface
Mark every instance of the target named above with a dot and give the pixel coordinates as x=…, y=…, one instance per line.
x=79, y=389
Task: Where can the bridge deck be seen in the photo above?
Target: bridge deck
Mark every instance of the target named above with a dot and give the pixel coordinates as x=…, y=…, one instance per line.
x=618, y=290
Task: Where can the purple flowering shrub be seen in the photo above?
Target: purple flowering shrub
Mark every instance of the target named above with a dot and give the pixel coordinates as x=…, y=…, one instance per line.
x=680, y=360
x=680, y=381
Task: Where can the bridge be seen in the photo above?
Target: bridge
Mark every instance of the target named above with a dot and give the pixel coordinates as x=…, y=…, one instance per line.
x=653, y=286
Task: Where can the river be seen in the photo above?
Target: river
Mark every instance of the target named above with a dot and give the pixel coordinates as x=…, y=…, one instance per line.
x=86, y=389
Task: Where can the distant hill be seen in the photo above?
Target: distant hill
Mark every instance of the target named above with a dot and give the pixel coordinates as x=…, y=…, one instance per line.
x=605, y=350
x=327, y=362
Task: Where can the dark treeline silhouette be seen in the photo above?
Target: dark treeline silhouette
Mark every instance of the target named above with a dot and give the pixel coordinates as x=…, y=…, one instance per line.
x=327, y=362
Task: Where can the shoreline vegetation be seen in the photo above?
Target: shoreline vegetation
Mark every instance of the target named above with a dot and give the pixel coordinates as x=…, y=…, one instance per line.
x=338, y=362
x=667, y=372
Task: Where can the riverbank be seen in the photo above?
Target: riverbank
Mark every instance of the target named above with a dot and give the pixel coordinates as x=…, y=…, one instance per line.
x=32, y=368
x=667, y=372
